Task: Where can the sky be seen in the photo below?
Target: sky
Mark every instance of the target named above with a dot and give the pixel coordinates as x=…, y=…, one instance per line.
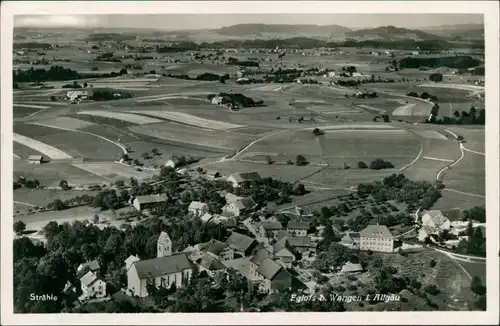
x=210, y=21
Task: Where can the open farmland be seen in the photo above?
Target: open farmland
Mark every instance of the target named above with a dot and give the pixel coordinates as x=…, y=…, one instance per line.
x=185, y=134
x=113, y=171
x=132, y=118
x=48, y=150
x=64, y=122
x=189, y=119
x=468, y=175
x=42, y=197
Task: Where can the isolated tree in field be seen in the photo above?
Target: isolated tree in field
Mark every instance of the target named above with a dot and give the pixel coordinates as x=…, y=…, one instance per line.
x=19, y=227
x=155, y=151
x=456, y=114
x=460, y=138
x=385, y=117
x=436, y=77
x=145, y=156
x=269, y=160
x=362, y=165
x=300, y=160
x=85, y=85
x=318, y=132
x=136, y=162
x=64, y=185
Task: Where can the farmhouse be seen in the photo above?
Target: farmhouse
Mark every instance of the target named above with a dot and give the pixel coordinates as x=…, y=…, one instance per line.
x=284, y=251
x=77, y=94
x=376, y=238
x=270, y=228
x=241, y=244
x=425, y=232
x=210, y=264
x=274, y=276
x=256, y=260
x=173, y=162
x=212, y=174
x=198, y=208
x=219, y=250
x=92, y=287
x=35, y=159
x=237, y=179
x=301, y=244
x=240, y=207
x=147, y=201
x=435, y=219
x=297, y=228
x=217, y=100
x=350, y=240
x=92, y=266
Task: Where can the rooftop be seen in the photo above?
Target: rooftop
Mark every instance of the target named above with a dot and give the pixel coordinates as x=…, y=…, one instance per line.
x=272, y=225
x=269, y=268
x=148, y=199
x=162, y=266
x=376, y=231
x=240, y=241
x=245, y=176
x=261, y=255
x=296, y=225
x=35, y=157
x=211, y=263
x=197, y=205
x=88, y=279
x=215, y=246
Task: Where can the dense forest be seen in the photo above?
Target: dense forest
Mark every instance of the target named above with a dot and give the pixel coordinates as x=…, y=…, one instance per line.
x=58, y=73
x=458, y=62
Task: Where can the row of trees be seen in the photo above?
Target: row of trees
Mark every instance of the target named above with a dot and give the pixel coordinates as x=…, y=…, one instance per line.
x=424, y=95
x=471, y=117
x=461, y=61
x=206, y=76
x=57, y=73
x=377, y=164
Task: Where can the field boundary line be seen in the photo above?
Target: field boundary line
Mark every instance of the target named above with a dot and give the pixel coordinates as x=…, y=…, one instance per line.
x=89, y=133
x=23, y=203
x=470, y=150
x=415, y=159
x=437, y=159
x=461, y=144
x=464, y=193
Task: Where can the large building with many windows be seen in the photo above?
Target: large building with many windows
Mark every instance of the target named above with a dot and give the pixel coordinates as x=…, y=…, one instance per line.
x=376, y=238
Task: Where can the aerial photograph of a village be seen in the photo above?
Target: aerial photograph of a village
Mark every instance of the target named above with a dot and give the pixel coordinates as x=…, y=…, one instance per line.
x=249, y=163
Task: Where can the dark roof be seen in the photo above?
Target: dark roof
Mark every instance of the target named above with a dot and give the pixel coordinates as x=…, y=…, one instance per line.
x=282, y=244
x=211, y=263
x=376, y=231
x=162, y=266
x=246, y=176
x=261, y=255
x=147, y=199
x=272, y=225
x=269, y=268
x=92, y=265
x=230, y=223
x=282, y=234
x=350, y=236
x=301, y=242
x=295, y=225
x=175, y=159
x=248, y=202
x=216, y=246
x=240, y=241
x=88, y=279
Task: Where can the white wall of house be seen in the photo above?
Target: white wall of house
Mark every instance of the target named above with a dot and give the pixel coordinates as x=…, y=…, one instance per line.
x=138, y=287
x=377, y=244
x=95, y=290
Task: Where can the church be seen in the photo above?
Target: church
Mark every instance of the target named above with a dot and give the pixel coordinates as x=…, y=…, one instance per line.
x=167, y=269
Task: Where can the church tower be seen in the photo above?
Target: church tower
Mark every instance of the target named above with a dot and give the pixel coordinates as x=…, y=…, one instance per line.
x=164, y=245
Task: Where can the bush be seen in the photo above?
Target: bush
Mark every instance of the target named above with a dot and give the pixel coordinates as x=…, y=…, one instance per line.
x=300, y=160
x=362, y=165
x=379, y=164
x=432, y=263
x=431, y=289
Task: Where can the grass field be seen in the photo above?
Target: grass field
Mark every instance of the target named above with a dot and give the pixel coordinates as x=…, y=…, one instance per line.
x=189, y=119
x=63, y=122
x=52, y=173
x=128, y=117
x=468, y=175
x=474, y=137
x=113, y=171
x=452, y=199
x=24, y=151
x=186, y=134
x=46, y=149
x=42, y=197
x=335, y=176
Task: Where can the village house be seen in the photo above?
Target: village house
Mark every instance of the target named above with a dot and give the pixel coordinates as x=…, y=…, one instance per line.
x=212, y=174
x=167, y=269
x=376, y=238
x=425, y=232
x=255, y=262
x=211, y=265
x=198, y=208
x=92, y=287
x=236, y=179
x=284, y=251
x=173, y=162
x=77, y=95
x=35, y=159
x=219, y=250
x=148, y=201
x=274, y=277
x=241, y=244
x=240, y=206
x=297, y=228
x=207, y=217
x=350, y=268
x=92, y=266
x=217, y=100
x=302, y=244
x=436, y=220
x=270, y=228
x=350, y=240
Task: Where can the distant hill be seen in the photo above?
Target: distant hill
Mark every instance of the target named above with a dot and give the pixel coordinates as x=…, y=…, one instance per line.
x=392, y=33
x=241, y=30
x=465, y=31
